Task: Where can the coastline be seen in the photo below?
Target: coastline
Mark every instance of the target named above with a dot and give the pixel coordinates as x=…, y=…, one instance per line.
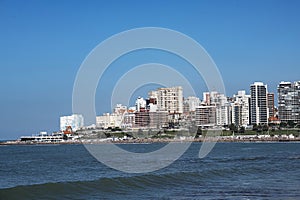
x=156, y=140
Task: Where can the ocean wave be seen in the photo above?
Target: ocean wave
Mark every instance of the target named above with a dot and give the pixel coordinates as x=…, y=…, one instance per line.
x=147, y=186
x=107, y=186
x=238, y=159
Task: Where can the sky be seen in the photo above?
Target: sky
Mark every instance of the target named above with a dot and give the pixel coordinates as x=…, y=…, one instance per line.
x=43, y=44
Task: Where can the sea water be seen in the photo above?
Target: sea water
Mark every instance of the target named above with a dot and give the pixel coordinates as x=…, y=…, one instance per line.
x=230, y=171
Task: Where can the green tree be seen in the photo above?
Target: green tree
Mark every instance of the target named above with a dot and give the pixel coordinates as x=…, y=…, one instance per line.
x=233, y=128
x=108, y=135
x=265, y=127
x=254, y=127
x=291, y=124
x=242, y=130
x=193, y=129
x=140, y=133
x=283, y=125
x=273, y=128
x=150, y=132
x=199, y=132
x=129, y=135
x=259, y=128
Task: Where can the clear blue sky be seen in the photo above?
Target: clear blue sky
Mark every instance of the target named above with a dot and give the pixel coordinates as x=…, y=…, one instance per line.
x=43, y=44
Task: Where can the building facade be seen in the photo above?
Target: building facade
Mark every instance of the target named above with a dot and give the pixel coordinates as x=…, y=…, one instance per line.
x=222, y=106
x=191, y=103
x=271, y=105
x=206, y=116
x=240, y=109
x=289, y=101
x=148, y=119
x=259, y=104
x=169, y=99
x=128, y=120
x=109, y=120
x=140, y=104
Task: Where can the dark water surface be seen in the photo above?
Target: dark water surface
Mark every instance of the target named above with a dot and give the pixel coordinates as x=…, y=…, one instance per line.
x=230, y=171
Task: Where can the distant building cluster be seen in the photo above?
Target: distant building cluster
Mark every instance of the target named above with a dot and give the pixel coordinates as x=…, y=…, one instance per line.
x=163, y=106
x=167, y=108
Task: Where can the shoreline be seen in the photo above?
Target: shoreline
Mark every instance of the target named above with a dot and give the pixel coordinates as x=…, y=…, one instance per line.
x=156, y=140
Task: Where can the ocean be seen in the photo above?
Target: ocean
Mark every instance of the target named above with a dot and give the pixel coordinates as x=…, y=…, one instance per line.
x=230, y=171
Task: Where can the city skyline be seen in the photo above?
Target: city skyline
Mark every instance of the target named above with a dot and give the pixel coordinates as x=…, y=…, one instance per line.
x=167, y=105
x=238, y=109
x=44, y=43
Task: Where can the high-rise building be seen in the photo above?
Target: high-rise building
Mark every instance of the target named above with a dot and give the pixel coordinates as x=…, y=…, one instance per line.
x=259, y=105
x=240, y=109
x=271, y=105
x=222, y=107
x=289, y=101
x=169, y=99
x=75, y=121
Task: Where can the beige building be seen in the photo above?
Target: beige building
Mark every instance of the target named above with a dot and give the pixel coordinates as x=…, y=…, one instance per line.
x=206, y=116
x=108, y=120
x=169, y=99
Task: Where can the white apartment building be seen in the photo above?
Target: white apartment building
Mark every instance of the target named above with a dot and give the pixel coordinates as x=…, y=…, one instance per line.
x=240, y=109
x=75, y=121
x=192, y=103
x=128, y=120
x=169, y=99
x=152, y=107
x=140, y=103
x=222, y=106
x=109, y=120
